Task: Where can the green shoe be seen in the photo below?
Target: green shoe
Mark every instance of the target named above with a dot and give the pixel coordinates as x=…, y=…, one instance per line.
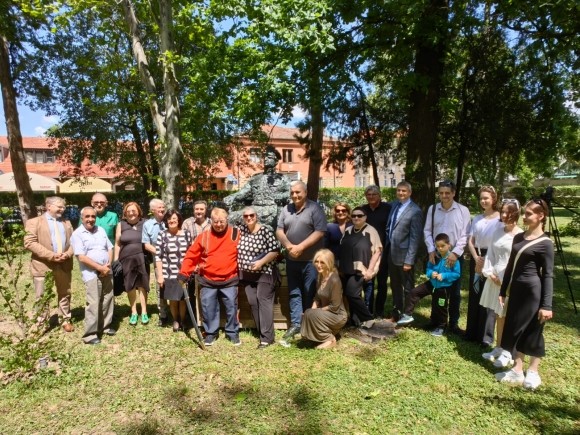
x=144, y=319
x=133, y=320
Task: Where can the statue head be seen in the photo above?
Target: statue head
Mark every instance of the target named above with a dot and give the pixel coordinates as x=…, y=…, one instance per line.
x=271, y=157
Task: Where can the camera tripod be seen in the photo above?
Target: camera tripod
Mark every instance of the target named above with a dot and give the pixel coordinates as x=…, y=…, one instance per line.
x=548, y=196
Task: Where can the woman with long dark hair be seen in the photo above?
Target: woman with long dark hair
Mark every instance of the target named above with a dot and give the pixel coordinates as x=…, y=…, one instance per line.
x=527, y=291
x=480, y=321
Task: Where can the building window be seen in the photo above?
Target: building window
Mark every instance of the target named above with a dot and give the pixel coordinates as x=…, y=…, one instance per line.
x=341, y=168
x=393, y=182
x=255, y=155
x=287, y=156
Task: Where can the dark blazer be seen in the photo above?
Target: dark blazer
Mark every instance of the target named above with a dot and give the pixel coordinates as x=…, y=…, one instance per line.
x=406, y=236
x=37, y=240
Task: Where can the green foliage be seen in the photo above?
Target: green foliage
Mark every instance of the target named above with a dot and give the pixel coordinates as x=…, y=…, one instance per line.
x=572, y=229
x=22, y=344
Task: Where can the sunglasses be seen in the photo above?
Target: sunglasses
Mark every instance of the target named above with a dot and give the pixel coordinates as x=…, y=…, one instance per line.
x=99, y=203
x=447, y=183
x=357, y=215
x=511, y=201
x=251, y=215
x=340, y=210
x=487, y=187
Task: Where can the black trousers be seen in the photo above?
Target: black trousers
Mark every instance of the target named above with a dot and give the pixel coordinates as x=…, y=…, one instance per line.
x=439, y=302
x=260, y=291
x=402, y=282
x=352, y=286
x=480, y=320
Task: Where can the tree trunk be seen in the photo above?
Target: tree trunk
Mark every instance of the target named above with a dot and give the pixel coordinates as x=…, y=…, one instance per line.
x=23, y=189
x=368, y=136
x=424, y=116
x=317, y=126
x=171, y=151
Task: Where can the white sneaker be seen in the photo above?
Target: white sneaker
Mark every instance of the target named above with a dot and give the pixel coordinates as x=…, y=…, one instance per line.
x=437, y=332
x=504, y=360
x=405, y=320
x=532, y=380
x=510, y=377
x=493, y=355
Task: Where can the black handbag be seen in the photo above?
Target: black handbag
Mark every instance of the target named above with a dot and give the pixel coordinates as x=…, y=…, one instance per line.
x=118, y=278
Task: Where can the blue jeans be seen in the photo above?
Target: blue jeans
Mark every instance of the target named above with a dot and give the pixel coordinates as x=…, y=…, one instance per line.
x=210, y=308
x=301, y=288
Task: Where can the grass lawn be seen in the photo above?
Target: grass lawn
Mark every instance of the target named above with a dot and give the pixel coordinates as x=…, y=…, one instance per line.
x=150, y=380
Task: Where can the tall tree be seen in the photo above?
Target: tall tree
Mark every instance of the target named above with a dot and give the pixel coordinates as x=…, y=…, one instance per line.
x=18, y=20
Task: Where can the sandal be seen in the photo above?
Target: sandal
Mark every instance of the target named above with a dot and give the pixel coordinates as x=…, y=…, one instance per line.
x=133, y=320
x=144, y=319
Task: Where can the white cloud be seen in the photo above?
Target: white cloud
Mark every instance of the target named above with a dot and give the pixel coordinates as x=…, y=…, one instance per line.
x=40, y=130
x=50, y=120
x=297, y=112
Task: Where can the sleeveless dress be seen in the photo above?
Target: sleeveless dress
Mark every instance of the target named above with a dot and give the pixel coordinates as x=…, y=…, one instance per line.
x=496, y=261
x=132, y=256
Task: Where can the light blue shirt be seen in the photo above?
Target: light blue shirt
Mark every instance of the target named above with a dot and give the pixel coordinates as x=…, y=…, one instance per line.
x=151, y=229
x=60, y=226
x=95, y=245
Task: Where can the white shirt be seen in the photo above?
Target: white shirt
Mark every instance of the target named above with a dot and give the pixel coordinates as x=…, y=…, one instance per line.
x=455, y=222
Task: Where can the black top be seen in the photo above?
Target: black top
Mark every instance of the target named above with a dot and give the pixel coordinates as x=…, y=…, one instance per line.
x=378, y=218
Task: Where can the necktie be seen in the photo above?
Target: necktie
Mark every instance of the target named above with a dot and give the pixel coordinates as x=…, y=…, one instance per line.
x=393, y=219
x=57, y=237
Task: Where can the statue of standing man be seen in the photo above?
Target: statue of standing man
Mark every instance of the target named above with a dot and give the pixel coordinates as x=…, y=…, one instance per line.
x=267, y=193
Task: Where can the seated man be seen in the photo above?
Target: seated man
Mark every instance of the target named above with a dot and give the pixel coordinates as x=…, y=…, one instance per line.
x=214, y=258
x=94, y=251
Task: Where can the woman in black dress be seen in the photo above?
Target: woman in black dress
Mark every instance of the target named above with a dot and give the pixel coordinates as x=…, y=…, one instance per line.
x=360, y=254
x=130, y=252
x=171, y=246
x=527, y=290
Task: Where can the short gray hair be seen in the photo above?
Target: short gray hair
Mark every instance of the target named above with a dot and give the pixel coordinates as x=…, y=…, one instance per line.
x=373, y=188
x=155, y=202
x=88, y=207
x=406, y=184
x=299, y=183
x=53, y=200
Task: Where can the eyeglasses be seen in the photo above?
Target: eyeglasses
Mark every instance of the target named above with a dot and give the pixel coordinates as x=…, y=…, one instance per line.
x=251, y=215
x=340, y=210
x=218, y=222
x=99, y=203
x=357, y=215
x=90, y=216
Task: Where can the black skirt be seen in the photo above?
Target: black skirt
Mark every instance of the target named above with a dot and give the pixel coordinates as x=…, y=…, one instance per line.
x=172, y=290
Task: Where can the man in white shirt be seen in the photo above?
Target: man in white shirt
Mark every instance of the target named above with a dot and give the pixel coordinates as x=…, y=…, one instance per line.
x=453, y=219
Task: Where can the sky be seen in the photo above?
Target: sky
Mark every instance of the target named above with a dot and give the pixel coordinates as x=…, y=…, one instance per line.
x=35, y=124
x=32, y=124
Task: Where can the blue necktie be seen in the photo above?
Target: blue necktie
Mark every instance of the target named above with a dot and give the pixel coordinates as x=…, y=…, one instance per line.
x=393, y=219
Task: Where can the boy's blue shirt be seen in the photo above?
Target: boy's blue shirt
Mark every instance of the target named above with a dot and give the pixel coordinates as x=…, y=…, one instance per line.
x=449, y=275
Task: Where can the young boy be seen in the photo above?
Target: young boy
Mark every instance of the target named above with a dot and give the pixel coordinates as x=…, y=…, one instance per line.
x=440, y=279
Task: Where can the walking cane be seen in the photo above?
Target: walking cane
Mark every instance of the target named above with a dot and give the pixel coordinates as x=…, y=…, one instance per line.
x=191, y=315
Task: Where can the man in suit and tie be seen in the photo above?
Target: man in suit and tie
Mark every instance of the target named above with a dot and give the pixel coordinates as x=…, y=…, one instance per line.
x=404, y=233
x=48, y=238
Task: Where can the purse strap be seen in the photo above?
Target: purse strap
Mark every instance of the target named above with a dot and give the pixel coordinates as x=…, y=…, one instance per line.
x=532, y=243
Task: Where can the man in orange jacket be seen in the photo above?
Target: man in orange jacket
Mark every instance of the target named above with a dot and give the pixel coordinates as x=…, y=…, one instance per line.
x=214, y=258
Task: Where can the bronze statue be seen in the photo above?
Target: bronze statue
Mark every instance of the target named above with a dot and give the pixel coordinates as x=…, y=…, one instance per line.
x=268, y=193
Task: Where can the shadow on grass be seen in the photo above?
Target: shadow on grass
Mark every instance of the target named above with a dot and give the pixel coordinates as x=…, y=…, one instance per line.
x=145, y=426
x=227, y=405
x=544, y=407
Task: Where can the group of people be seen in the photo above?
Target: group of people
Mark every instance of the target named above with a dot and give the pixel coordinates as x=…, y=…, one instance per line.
x=510, y=288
